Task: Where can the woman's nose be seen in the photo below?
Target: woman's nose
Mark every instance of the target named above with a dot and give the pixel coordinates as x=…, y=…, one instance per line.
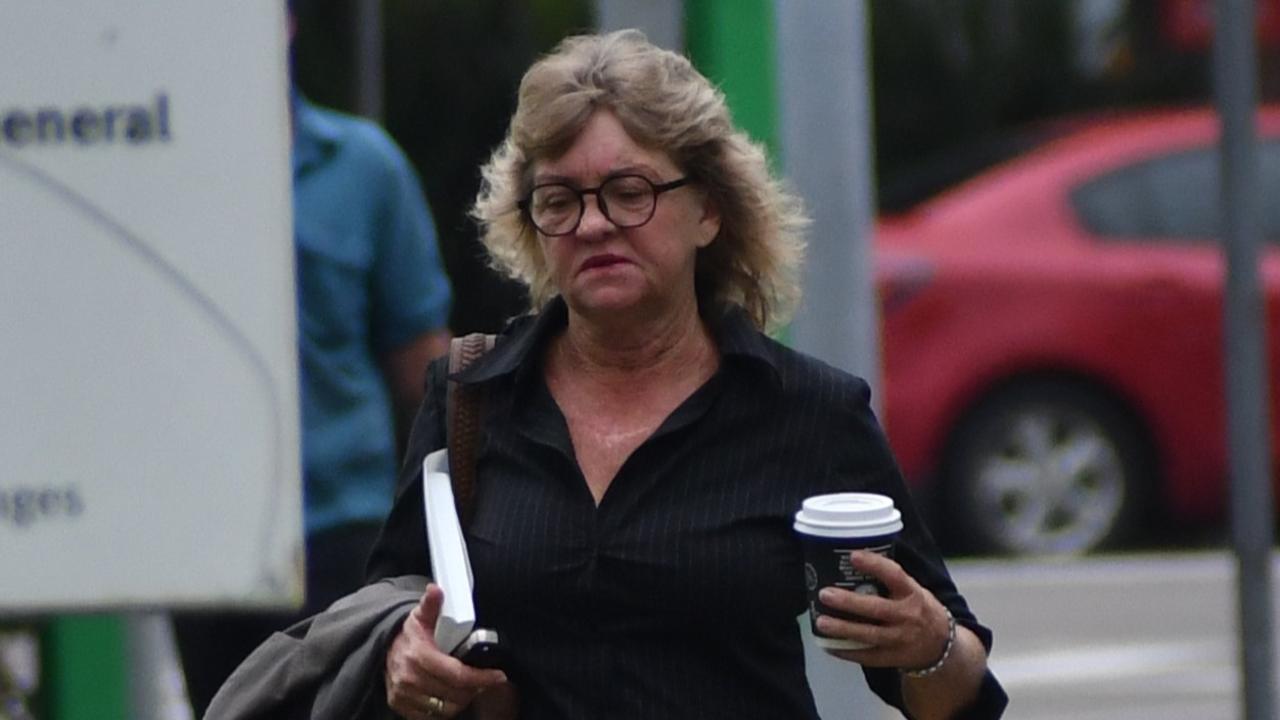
x=594, y=221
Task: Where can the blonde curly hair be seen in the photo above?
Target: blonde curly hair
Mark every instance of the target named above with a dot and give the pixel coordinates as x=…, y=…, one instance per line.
x=665, y=104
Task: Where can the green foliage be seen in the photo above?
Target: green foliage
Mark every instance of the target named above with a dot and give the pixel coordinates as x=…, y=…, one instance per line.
x=949, y=73
x=952, y=80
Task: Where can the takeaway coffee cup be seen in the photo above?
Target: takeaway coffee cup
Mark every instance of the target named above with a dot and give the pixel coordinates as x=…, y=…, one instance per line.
x=832, y=526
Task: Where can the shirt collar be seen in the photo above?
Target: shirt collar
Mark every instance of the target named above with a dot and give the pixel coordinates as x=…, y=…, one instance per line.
x=736, y=336
x=517, y=350
x=314, y=135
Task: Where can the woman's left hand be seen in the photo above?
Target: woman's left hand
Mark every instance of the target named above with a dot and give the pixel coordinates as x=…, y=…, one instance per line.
x=907, y=629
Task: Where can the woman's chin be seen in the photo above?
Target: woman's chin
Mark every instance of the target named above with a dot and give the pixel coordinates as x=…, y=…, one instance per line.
x=607, y=300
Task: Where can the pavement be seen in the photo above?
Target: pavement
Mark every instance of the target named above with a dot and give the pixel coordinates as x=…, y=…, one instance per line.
x=1138, y=636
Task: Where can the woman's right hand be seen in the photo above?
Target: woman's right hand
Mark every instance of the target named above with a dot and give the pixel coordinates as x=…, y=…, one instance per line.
x=424, y=683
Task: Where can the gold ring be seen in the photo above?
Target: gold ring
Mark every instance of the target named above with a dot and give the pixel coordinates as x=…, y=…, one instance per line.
x=435, y=705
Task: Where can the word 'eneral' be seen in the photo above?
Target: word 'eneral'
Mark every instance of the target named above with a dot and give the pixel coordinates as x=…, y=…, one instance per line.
x=134, y=124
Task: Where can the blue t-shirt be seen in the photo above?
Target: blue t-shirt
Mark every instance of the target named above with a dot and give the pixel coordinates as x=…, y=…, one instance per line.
x=369, y=280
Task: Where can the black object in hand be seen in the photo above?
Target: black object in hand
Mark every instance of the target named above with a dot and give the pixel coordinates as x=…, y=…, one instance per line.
x=480, y=649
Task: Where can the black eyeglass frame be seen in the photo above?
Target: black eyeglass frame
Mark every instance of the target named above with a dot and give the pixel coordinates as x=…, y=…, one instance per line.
x=525, y=203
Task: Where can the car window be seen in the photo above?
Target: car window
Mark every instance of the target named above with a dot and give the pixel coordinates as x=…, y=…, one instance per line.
x=1172, y=197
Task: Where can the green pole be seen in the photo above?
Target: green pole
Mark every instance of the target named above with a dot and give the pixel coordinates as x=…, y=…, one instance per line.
x=732, y=43
x=85, y=674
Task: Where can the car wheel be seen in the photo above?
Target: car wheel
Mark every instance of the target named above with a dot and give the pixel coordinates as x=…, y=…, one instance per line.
x=1043, y=469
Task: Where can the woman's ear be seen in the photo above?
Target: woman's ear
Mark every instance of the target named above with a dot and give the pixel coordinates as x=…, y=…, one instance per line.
x=709, y=223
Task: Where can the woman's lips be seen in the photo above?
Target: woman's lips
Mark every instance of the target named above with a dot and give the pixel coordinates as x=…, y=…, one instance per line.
x=599, y=261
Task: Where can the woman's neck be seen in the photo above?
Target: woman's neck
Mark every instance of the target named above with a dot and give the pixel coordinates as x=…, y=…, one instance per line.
x=623, y=350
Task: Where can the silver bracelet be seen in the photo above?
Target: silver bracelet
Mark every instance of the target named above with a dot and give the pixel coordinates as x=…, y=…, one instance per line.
x=946, y=650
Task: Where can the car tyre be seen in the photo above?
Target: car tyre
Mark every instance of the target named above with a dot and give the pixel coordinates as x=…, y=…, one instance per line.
x=1044, y=468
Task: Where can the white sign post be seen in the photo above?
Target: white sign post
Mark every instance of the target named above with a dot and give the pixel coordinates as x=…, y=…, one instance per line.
x=148, y=364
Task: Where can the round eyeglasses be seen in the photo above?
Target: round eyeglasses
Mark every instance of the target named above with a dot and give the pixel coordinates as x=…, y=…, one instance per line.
x=626, y=200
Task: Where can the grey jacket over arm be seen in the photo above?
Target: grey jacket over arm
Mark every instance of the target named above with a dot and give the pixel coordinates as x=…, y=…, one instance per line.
x=326, y=667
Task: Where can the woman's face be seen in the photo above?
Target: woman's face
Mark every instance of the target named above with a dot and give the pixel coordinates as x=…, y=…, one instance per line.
x=601, y=269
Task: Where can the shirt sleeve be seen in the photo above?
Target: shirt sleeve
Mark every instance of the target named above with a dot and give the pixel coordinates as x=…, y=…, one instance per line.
x=917, y=553
x=409, y=289
x=401, y=548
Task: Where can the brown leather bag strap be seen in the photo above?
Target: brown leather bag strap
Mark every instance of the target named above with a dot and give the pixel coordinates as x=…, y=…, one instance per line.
x=463, y=405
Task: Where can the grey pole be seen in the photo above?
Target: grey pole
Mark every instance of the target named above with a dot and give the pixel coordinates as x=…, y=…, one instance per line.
x=368, y=59
x=662, y=21
x=156, y=687
x=1252, y=508
x=823, y=90
x=824, y=98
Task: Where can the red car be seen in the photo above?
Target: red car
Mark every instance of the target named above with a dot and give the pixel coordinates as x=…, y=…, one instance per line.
x=1053, y=352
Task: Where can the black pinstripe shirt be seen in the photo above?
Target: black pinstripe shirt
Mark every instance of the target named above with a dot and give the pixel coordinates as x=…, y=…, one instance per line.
x=677, y=596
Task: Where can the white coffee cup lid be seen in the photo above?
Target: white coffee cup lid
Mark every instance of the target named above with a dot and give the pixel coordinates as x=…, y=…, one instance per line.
x=848, y=515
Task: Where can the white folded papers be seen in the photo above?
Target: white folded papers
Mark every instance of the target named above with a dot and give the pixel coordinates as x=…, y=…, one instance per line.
x=450, y=565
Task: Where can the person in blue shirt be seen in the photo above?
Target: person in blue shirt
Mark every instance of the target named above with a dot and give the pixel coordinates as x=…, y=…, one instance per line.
x=373, y=304
x=373, y=307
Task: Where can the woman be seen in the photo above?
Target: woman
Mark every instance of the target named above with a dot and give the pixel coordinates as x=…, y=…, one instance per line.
x=646, y=445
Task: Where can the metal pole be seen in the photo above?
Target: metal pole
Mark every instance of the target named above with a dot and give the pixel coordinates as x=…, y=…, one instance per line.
x=1252, y=508
x=156, y=687
x=824, y=102
x=824, y=87
x=662, y=21
x=369, y=60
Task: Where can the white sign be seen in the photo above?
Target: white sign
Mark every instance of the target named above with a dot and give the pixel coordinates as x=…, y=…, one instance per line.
x=148, y=363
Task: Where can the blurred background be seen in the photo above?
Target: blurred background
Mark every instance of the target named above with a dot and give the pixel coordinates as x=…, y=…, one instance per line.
x=957, y=84
x=1047, y=160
